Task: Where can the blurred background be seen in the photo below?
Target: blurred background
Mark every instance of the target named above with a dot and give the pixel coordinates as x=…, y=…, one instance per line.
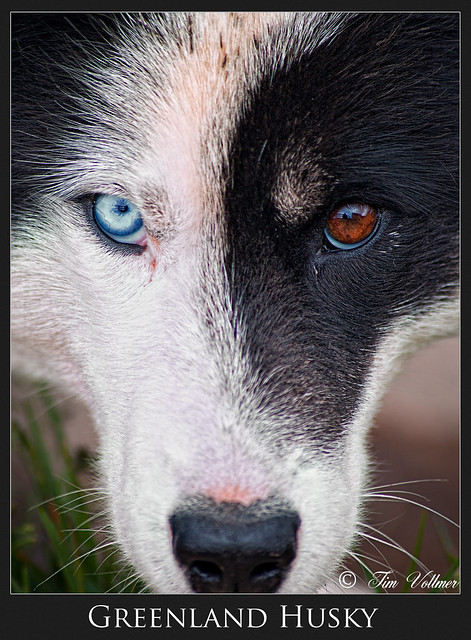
x=415, y=438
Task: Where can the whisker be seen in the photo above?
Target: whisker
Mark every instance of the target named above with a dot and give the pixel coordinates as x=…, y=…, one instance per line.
x=385, y=564
x=390, y=543
x=394, y=498
x=406, y=482
x=126, y=582
x=68, y=564
x=58, y=497
x=70, y=507
x=107, y=558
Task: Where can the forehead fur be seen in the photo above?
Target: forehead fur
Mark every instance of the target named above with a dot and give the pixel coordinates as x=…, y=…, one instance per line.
x=155, y=101
x=218, y=61
x=199, y=103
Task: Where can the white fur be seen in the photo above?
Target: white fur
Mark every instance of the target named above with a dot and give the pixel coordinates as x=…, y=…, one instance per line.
x=124, y=332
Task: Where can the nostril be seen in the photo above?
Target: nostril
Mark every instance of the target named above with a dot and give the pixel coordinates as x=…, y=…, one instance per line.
x=264, y=570
x=205, y=572
x=268, y=574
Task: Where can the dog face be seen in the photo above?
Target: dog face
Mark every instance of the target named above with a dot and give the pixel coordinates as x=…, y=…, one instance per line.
x=229, y=230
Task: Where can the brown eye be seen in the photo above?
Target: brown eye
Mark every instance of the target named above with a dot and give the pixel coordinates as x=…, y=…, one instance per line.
x=351, y=225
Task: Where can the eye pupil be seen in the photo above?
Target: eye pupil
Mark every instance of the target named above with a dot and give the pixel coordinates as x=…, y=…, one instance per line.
x=119, y=219
x=350, y=226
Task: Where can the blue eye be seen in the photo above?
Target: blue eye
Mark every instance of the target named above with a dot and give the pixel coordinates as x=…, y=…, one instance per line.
x=119, y=219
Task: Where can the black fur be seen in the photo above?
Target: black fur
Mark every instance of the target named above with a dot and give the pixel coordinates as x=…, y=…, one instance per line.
x=371, y=116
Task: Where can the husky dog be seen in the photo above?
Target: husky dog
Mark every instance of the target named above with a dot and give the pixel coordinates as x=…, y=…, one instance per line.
x=229, y=230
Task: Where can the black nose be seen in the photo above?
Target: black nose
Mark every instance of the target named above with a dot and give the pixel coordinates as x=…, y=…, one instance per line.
x=229, y=548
